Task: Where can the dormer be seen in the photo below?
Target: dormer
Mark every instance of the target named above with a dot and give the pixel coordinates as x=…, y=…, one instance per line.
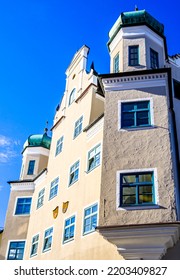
x=136, y=42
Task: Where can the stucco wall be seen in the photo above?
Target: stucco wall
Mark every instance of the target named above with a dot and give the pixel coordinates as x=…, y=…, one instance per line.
x=16, y=226
x=137, y=149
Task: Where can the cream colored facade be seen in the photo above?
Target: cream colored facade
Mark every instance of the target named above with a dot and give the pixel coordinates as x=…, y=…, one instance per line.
x=90, y=151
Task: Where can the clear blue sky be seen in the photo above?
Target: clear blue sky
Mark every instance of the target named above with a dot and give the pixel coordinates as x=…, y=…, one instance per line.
x=38, y=39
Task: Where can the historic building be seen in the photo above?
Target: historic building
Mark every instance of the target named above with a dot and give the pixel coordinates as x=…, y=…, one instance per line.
x=106, y=185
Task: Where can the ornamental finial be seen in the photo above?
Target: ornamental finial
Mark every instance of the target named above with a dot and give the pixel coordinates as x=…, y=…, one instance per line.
x=136, y=8
x=46, y=129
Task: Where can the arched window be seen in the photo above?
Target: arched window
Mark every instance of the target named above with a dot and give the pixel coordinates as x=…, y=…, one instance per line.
x=72, y=97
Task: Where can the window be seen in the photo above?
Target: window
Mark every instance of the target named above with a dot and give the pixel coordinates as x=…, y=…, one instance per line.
x=54, y=188
x=78, y=127
x=16, y=250
x=59, y=145
x=135, y=114
x=74, y=173
x=90, y=219
x=116, y=64
x=137, y=189
x=72, y=97
x=133, y=55
x=176, y=89
x=154, y=59
x=34, y=246
x=40, y=198
x=31, y=167
x=69, y=229
x=94, y=157
x=48, y=239
x=23, y=206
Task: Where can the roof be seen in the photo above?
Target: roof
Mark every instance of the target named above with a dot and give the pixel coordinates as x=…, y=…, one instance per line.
x=28, y=180
x=38, y=140
x=136, y=18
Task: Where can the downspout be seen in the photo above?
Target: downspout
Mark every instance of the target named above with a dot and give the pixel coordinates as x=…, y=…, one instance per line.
x=174, y=140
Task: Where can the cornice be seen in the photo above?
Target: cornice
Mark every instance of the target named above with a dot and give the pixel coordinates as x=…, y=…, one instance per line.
x=147, y=242
x=134, y=81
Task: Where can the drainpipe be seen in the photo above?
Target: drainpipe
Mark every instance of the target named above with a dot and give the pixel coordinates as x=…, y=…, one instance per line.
x=174, y=140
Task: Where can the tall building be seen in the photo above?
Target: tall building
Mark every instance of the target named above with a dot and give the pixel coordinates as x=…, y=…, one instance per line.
x=106, y=185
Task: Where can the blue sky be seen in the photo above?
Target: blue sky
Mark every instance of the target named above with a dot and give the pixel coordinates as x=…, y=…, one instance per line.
x=38, y=39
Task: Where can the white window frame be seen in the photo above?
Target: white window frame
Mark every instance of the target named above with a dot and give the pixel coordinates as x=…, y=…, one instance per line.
x=59, y=145
x=72, y=171
x=89, y=158
x=15, y=206
x=40, y=200
x=72, y=96
x=65, y=227
x=54, y=185
x=34, y=162
x=90, y=215
x=8, y=247
x=78, y=123
x=115, y=68
x=33, y=243
x=150, y=99
x=46, y=237
x=156, y=196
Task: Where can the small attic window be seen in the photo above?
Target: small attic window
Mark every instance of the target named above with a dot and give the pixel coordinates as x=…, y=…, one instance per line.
x=72, y=97
x=74, y=76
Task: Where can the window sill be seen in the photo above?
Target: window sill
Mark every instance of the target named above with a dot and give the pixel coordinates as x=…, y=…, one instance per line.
x=22, y=215
x=47, y=250
x=88, y=232
x=67, y=241
x=72, y=183
x=88, y=171
x=34, y=255
x=137, y=128
x=52, y=197
x=143, y=207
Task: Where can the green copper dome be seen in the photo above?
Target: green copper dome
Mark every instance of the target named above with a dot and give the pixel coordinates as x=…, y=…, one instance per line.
x=135, y=18
x=38, y=140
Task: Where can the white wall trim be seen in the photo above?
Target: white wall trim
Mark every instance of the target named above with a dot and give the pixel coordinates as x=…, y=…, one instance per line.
x=36, y=151
x=131, y=32
x=22, y=186
x=96, y=128
x=134, y=82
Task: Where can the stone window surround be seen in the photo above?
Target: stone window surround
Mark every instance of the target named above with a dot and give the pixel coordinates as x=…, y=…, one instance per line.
x=15, y=206
x=156, y=197
x=150, y=99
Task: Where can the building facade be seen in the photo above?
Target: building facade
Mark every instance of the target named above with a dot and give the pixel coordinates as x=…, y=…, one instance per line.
x=106, y=185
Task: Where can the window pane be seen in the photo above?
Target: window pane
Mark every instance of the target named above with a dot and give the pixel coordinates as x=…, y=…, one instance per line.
x=143, y=118
x=87, y=211
x=145, y=189
x=142, y=105
x=128, y=107
x=129, y=190
x=129, y=199
x=129, y=178
x=128, y=119
x=148, y=198
x=145, y=177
